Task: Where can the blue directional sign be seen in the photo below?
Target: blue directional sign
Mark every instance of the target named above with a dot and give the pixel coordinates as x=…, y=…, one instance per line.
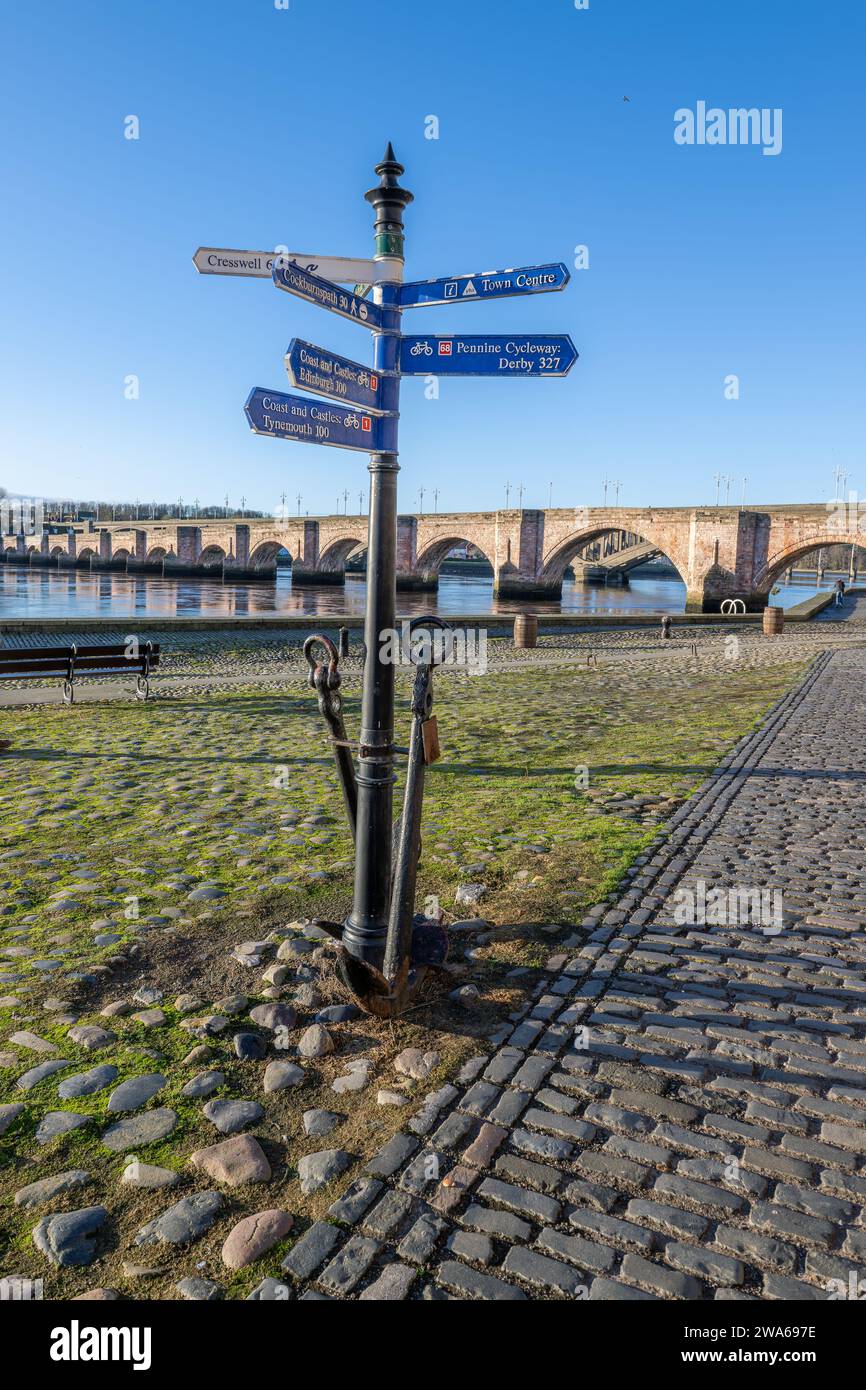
x=311, y=422
x=316, y=369
x=486, y=284
x=329, y=295
x=487, y=354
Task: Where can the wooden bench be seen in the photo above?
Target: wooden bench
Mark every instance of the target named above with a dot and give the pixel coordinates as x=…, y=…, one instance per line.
x=110, y=659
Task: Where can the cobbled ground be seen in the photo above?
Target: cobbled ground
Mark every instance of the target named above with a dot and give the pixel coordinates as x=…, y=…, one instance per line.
x=617, y=1104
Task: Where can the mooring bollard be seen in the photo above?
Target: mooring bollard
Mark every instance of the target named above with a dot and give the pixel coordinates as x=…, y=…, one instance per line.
x=344, y=641
x=526, y=630
x=666, y=627
x=774, y=621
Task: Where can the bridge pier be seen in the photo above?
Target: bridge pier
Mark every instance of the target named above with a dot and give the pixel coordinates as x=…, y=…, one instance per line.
x=41, y=559
x=138, y=562
x=518, y=560
x=19, y=555
x=143, y=566
x=702, y=602
x=237, y=566
x=509, y=585
x=424, y=581
x=307, y=568
x=302, y=575
x=105, y=560
x=599, y=575
x=70, y=558
x=182, y=563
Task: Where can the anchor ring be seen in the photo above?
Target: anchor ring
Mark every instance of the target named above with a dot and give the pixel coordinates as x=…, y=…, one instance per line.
x=430, y=620
x=332, y=678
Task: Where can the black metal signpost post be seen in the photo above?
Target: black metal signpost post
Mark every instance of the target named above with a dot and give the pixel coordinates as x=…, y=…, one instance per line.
x=385, y=948
x=366, y=931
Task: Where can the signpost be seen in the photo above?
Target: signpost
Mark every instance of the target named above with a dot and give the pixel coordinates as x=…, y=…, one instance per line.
x=216, y=260
x=486, y=284
x=315, y=369
x=486, y=354
x=317, y=290
x=385, y=948
x=310, y=422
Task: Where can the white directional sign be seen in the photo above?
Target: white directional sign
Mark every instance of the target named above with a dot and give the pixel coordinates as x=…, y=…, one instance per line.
x=215, y=260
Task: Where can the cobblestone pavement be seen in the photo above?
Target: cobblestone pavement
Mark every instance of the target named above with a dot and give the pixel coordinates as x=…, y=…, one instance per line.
x=681, y=1113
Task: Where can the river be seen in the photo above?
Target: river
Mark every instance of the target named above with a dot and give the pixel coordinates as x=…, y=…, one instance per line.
x=43, y=593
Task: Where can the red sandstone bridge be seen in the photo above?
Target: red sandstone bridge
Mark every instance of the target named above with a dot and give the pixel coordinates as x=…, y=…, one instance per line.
x=719, y=552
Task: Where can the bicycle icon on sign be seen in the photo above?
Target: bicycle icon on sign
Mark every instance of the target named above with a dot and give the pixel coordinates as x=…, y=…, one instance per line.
x=421, y=350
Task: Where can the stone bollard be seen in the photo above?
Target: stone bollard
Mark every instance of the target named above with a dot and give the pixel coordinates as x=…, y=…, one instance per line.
x=666, y=627
x=774, y=621
x=343, y=647
x=526, y=630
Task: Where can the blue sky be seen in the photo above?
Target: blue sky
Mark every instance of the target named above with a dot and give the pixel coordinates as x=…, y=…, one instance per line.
x=260, y=126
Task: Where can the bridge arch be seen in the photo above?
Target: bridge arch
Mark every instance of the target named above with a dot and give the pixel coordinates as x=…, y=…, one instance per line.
x=264, y=555
x=156, y=553
x=58, y=550
x=333, y=558
x=212, y=556
x=783, y=559
x=121, y=554
x=430, y=559
x=560, y=556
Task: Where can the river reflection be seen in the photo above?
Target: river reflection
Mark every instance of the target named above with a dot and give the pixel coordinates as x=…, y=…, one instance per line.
x=45, y=593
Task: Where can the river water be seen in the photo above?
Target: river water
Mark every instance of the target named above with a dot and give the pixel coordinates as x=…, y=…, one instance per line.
x=38, y=593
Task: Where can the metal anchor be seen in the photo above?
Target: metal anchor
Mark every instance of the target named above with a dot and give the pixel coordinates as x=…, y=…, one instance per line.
x=414, y=944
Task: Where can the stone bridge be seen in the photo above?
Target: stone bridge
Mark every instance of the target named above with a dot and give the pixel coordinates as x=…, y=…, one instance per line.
x=719, y=552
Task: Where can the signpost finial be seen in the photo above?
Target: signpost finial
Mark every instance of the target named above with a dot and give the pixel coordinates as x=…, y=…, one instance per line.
x=389, y=200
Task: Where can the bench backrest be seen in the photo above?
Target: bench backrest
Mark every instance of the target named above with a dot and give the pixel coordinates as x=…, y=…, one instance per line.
x=47, y=661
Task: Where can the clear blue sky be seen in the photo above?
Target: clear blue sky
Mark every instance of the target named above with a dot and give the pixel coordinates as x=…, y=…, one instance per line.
x=260, y=126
